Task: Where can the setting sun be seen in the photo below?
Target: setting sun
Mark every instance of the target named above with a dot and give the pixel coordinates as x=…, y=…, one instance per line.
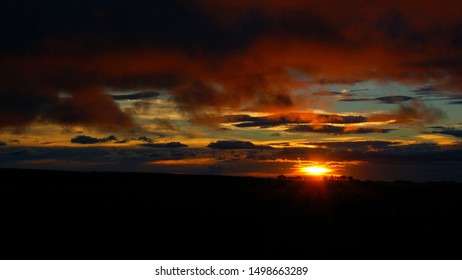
x=316, y=170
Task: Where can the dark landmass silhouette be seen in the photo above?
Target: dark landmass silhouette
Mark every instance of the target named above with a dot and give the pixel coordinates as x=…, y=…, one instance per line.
x=96, y=215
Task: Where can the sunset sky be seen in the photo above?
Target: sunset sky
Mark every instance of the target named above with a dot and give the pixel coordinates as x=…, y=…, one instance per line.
x=371, y=89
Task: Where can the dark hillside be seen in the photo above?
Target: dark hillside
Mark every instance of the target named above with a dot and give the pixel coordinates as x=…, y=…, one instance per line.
x=158, y=216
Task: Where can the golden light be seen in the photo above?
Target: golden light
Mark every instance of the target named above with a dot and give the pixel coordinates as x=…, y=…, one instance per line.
x=316, y=170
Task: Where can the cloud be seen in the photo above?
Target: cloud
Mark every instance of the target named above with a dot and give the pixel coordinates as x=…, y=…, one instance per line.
x=295, y=153
x=394, y=99
x=354, y=99
x=281, y=144
x=281, y=119
x=235, y=145
x=84, y=139
x=145, y=139
x=371, y=152
x=361, y=145
x=413, y=112
x=2, y=143
x=170, y=145
x=273, y=101
x=330, y=129
x=138, y=108
x=453, y=132
x=213, y=55
x=22, y=105
x=426, y=90
x=164, y=124
x=136, y=96
x=456, y=102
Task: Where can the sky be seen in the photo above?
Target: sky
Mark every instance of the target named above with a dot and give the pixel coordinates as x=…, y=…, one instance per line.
x=369, y=89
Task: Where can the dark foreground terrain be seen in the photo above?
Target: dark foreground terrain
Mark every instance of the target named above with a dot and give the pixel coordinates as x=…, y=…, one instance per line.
x=155, y=216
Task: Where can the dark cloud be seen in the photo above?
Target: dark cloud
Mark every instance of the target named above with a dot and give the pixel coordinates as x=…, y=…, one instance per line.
x=234, y=144
x=295, y=153
x=145, y=139
x=288, y=118
x=330, y=129
x=138, y=108
x=281, y=144
x=164, y=124
x=423, y=152
x=425, y=90
x=344, y=151
x=22, y=105
x=196, y=95
x=456, y=102
x=2, y=143
x=272, y=101
x=215, y=120
x=356, y=145
x=354, y=99
x=378, y=152
x=83, y=139
x=453, y=132
x=182, y=154
x=394, y=99
x=136, y=96
x=165, y=145
x=412, y=112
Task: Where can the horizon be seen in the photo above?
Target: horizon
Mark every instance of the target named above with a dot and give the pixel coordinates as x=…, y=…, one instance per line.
x=262, y=88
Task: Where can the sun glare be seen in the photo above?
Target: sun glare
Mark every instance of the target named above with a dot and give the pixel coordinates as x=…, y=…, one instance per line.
x=316, y=170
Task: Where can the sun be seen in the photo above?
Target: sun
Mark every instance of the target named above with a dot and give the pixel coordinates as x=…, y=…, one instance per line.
x=316, y=170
